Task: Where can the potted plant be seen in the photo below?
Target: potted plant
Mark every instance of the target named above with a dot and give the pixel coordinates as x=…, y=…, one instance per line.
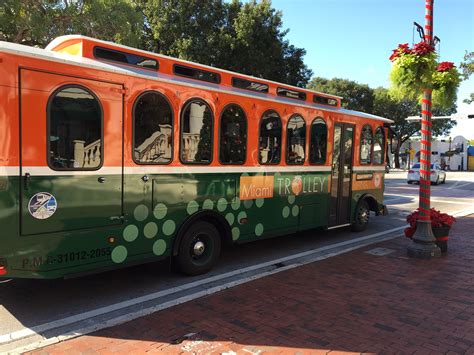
x=440, y=224
x=446, y=80
x=415, y=69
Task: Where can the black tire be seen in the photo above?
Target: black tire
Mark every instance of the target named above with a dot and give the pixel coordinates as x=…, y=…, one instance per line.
x=199, y=249
x=409, y=182
x=444, y=180
x=361, y=218
x=436, y=182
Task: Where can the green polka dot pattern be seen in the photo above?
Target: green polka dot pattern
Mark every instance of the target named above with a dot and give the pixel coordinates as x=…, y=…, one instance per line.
x=140, y=213
x=208, y=205
x=286, y=212
x=160, y=211
x=242, y=215
x=130, y=233
x=295, y=211
x=259, y=229
x=159, y=247
x=248, y=203
x=291, y=199
x=221, y=204
x=169, y=227
x=235, y=233
x=119, y=254
x=230, y=218
x=150, y=230
x=236, y=204
x=193, y=207
x=259, y=202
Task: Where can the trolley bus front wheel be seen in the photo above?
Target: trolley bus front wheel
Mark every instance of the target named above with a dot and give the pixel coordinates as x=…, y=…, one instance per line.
x=362, y=215
x=199, y=249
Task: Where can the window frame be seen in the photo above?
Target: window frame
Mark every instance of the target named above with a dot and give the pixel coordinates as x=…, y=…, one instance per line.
x=94, y=51
x=218, y=76
x=371, y=145
x=219, y=134
x=287, y=140
x=236, y=79
x=310, y=137
x=143, y=93
x=383, y=146
x=302, y=96
x=183, y=108
x=259, y=135
x=48, y=127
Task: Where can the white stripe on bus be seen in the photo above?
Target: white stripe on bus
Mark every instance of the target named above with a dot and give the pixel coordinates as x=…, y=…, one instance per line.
x=164, y=169
x=161, y=169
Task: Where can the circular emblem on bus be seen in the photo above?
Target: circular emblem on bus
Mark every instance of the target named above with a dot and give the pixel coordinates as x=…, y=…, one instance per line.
x=297, y=185
x=42, y=205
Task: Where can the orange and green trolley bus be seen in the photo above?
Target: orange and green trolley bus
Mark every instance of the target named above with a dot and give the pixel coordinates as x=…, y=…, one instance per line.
x=112, y=156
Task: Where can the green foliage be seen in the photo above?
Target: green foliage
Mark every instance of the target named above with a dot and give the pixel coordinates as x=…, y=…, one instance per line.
x=445, y=85
x=358, y=97
x=36, y=23
x=467, y=68
x=246, y=38
x=411, y=74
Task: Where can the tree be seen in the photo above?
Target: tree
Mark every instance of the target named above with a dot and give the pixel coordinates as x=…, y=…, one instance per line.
x=358, y=97
x=398, y=111
x=467, y=68
x=246, y=38
x=36, y=22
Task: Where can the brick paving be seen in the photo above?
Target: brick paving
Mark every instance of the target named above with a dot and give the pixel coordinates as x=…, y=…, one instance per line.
x=351, y=303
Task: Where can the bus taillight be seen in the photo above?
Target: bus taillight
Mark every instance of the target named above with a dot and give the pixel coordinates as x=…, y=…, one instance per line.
x=3, y=267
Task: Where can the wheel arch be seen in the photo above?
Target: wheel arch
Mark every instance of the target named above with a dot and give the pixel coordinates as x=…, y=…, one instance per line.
x=371, y=201
x=212, y=217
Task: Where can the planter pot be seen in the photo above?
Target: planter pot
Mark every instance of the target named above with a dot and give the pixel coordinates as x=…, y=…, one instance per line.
x=442, y=236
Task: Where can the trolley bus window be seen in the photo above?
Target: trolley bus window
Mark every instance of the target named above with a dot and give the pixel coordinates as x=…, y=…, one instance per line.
x=318, y=142
x=366, y=141
x=153, y=122
x=196, y=133
x=75, y=130
x=270, y=138
x=233, y=135
x=379, y=146
x=295, y=140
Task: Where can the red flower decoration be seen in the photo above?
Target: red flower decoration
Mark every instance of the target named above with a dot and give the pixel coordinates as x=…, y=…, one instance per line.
x=402, y=49
x=445, y=66
x=423, y=48
x=438, y=219
x=409, y=232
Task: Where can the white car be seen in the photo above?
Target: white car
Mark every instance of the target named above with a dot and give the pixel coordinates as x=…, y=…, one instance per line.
x=437, y=175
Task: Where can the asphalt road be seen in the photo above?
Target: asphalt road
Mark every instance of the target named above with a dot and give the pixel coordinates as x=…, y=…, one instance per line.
x=31, y=310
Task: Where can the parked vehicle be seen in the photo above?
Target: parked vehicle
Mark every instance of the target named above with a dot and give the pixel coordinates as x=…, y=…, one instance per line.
x=437, y=176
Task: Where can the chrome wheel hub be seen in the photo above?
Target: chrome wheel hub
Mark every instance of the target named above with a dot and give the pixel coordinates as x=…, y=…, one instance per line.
x=198, y=248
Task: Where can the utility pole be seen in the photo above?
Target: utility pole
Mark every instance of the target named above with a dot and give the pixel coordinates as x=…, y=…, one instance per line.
x=423, y=245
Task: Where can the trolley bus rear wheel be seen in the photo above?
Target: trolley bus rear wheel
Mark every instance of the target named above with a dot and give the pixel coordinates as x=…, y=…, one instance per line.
x=361, y=218
x=199, y=249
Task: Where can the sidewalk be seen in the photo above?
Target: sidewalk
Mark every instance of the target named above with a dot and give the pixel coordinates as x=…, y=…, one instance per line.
x=354, y=302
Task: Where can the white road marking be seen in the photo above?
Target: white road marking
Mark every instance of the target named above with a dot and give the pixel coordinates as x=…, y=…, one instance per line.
x=458, y=186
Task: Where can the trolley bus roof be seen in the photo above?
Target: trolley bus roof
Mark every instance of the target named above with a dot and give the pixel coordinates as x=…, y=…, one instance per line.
x=50, y=55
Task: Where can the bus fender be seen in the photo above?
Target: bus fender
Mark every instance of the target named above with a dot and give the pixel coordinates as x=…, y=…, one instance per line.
x=206, y=215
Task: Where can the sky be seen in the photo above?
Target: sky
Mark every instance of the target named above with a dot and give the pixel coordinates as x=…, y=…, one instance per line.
x=352, y=39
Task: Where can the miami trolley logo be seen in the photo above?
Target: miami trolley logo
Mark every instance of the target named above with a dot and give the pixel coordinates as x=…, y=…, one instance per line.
x=42, y=205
